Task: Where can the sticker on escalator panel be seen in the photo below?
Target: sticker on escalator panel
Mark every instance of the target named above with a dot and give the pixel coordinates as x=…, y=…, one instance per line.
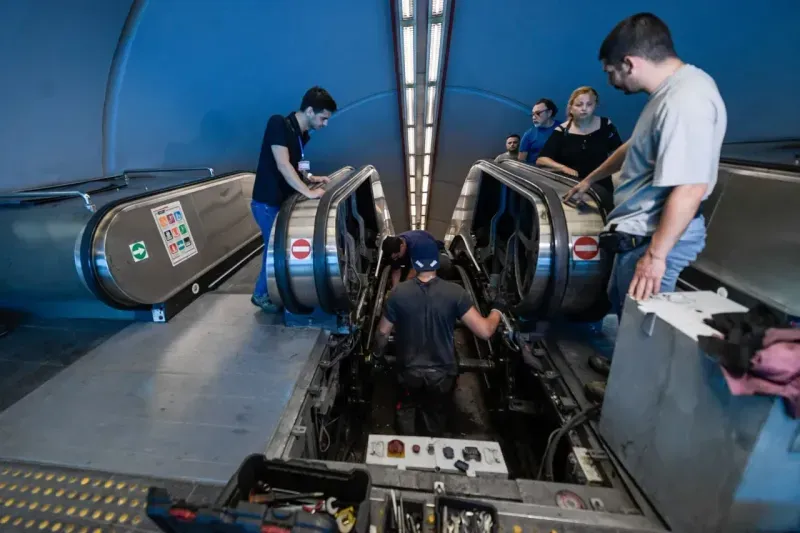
x=138, y=251
x=300, y=248
x=175, y=232
x=586, y=248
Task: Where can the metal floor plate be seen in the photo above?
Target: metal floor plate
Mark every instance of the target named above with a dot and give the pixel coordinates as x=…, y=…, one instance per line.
x=189, y=399
x=63, y=500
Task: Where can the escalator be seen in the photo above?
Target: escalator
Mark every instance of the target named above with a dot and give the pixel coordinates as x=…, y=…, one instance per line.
x=512, y=234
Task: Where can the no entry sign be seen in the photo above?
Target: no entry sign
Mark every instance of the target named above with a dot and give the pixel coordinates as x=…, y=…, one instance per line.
x=586, y=249
x=300, y=248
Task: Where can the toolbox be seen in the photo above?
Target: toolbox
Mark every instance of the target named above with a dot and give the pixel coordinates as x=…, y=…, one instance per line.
x=259, y=498
x=457, y=505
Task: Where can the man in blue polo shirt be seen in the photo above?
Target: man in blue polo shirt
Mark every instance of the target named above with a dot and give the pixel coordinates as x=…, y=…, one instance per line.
x=399, y=249
x=284, y=170
x=544, y=119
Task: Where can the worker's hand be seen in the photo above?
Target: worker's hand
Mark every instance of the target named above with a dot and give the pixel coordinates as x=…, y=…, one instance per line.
x=500, y=304
x=315, y=193
x=579, y=190
x=647, y=278
x=319, y=179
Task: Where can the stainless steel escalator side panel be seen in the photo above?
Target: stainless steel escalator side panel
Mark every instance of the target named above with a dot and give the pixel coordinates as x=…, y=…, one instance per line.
x=587, y=278
x=218, y=216
x=384, y=218
x=752, y=244
x=464, y=213
x=302, y=231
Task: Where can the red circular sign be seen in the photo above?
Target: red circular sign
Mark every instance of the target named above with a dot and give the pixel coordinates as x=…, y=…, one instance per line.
x=585, y=248
x=301, y=249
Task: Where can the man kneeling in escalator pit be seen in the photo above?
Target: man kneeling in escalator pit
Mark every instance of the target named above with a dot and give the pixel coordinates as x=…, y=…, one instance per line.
x=423, y=312
x=399, y=249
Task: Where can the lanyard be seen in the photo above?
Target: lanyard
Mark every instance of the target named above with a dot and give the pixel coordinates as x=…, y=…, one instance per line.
x=302, y=153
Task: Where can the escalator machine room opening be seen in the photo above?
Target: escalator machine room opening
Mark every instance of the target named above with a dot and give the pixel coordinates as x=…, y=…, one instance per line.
x=516, y=425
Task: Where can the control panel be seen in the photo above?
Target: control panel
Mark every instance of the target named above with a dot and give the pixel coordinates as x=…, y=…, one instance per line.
x=469, y=457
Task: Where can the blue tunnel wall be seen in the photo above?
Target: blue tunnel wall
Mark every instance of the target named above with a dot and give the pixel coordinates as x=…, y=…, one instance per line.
x=200, y=80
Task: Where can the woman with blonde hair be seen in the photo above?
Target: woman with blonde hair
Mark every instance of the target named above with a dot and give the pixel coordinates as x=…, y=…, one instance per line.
x=583, y=142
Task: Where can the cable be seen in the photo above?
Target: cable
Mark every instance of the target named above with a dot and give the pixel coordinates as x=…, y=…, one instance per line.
x=550, y=452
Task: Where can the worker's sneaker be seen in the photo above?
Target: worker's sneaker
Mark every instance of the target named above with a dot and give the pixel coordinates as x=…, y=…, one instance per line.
x=265, y=304
x=595, y=391
x=600, y=364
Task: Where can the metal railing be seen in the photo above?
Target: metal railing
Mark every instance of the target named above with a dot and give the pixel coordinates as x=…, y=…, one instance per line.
x=87, y=200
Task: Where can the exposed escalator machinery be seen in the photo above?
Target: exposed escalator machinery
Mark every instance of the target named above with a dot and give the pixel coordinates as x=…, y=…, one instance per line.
x=511, y=227
x=323, y=253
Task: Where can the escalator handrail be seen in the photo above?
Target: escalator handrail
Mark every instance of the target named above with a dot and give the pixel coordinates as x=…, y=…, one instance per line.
x=87, y=264
x=558, y=220
x=339, y=189
x=595, y=191
x=759, y=165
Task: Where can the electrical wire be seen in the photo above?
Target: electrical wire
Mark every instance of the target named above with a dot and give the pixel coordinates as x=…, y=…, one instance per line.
x=550, y=452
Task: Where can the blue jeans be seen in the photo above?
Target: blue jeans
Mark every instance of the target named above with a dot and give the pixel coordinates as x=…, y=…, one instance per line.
x=265, y=217
x=685, y=251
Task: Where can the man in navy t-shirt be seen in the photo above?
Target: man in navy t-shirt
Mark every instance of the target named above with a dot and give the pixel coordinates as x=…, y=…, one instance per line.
x=399, y=249
x=284, y=170
x=544, y=119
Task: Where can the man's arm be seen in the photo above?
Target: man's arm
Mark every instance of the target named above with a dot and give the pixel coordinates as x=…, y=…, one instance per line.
x=607, y=168
x=679, y=210
x=382, y=337
x=480, y=326
x=396, y=276
x=281, y=154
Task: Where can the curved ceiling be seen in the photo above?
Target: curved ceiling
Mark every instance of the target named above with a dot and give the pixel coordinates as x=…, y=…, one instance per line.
x=196, y=81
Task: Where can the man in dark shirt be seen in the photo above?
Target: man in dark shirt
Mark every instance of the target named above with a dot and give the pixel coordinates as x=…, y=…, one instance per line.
x=399, y=250
x=424, y=312
x=284, y=170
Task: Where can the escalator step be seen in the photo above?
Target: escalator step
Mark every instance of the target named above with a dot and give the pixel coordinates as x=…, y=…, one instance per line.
x=471, y=365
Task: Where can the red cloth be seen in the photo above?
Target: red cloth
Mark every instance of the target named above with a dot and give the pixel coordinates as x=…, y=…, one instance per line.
x=774, y=370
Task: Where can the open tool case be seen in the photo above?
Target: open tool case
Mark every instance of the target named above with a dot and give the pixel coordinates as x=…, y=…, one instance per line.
x=458, y=505
x=233, y=512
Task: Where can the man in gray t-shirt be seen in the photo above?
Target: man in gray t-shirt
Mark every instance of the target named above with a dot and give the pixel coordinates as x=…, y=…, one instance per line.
x=669, y=165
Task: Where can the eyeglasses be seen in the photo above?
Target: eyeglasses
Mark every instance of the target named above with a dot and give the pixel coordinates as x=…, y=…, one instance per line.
x=539, y=113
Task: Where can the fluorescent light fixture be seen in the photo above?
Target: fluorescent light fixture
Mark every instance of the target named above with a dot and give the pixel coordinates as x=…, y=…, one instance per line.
x=411, y=141
x=412, y=184
x=410, y=106
x=422, y=222
x=408, y=8
x=425, y=183
x=435, y=51
x=431, y=101
x=413, y=210
x=412, y=199
x=428, y=139
x=437, y=8
x=424, y=198
x=426, y=165
x=408, y=54
x=424, y=210
x=411, y=161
